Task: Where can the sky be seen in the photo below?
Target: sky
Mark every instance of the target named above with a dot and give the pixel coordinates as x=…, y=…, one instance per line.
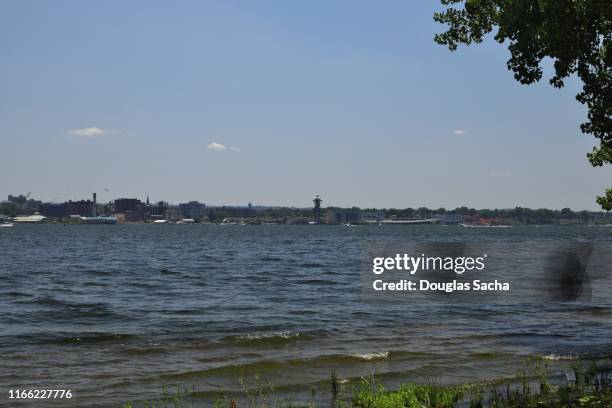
x=272, y=102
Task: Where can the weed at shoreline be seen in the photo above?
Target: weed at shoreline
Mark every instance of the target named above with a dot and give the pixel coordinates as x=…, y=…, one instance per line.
x=532, y=388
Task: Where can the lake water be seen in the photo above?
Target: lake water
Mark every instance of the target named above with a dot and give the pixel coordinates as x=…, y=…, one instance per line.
x=118, y=312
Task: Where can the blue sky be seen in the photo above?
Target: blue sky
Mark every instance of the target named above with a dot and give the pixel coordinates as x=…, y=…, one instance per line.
x=270, y=102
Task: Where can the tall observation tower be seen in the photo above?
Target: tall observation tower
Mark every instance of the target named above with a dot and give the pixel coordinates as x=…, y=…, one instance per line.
x=317, y=209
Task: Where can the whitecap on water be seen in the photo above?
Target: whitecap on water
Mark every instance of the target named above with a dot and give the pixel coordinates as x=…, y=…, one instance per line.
x=372, y=356
x=556, y=357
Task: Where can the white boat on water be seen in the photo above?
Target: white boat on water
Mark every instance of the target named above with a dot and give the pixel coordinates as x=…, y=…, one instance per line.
x=407, y=221
x=186, y=221
x=100, y=219
x=29, y=219
x=6, y=224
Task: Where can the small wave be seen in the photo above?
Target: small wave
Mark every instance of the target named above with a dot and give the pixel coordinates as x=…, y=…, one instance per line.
x=363, y=358
x=310, y=265
x=47, y=301
x=93, y=337
x=64, y=303
x=372, y=356
x=222, y=359
x=99, y=272
x=270, y=258
x=333, y=360
x=62, y=309
x=168, y=271
x=556, y=357
x=67, y=338
x=263, y=338
x=317, y=282
x=141, y=351
x=533, y=334
x=301, y=312
x=508, y=335
x=487, y=355
x=96, y=284
x=16, y=293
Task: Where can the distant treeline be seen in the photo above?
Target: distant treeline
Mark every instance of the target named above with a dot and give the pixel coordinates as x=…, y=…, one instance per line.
x=517, y=215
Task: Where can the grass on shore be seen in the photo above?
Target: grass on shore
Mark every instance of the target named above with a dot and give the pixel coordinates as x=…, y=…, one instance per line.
x=592, y=389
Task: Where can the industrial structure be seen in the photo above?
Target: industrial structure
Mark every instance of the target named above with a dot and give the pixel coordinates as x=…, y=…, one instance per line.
x=317, y=208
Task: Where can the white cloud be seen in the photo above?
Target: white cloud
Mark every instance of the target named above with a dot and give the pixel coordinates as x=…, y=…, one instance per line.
x=87, y=132
x=216, y=146
x=460, y=132
x=91, y=132
x=220, y=146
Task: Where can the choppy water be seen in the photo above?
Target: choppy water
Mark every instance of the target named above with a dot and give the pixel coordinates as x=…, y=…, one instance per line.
x=116, y=312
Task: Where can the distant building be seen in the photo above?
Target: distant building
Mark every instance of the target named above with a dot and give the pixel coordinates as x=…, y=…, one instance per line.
x=239, y=212
x=158, y=210
x=53, y=210
x=193, y=210
x=84, y=208
x=173, y=212
x=373, y=216
x=19, y=200
x=447, y=218
x=24, y=205
x=123, y=205
x=131, y=209
x=343, y=216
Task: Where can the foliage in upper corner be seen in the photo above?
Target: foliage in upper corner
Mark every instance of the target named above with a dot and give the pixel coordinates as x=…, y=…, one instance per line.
x=575, y=34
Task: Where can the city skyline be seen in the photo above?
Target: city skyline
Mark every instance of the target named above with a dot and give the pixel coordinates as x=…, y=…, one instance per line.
x=225, y=102
x=28, y=198
x=23, y=209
